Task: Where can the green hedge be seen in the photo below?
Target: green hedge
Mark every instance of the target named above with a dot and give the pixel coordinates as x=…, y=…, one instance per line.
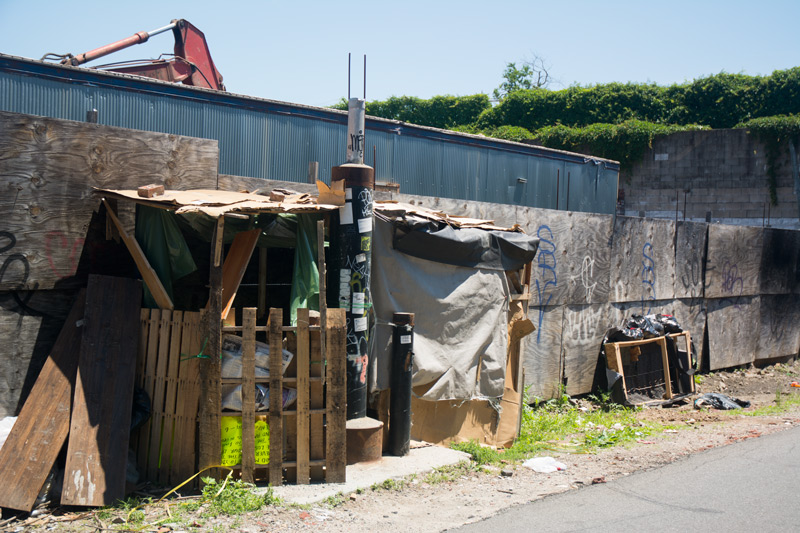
x=438, y=112
x=775, y=132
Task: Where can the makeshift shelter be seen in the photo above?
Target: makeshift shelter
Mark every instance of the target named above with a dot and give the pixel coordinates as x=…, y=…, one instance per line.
x=467, y=282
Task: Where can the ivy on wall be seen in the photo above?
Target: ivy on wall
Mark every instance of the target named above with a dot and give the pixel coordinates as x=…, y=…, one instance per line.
x=775, y=133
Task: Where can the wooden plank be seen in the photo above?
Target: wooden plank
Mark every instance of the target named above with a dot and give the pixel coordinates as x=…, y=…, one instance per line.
x=303, y=362
x=583, y=331
x=779, y=260
x=543, y=361
x=275, y=400
x=734, y=261
x=234, y=266
x=30, y=323
x=40, y=431
x=248, y=394
x=335, y=435
x=643, y=261
x=49, y=167
x=690, y=258
x=98, y=446
x=732, y=331
x=149, y=275
x=146, y=432
x=778, y=334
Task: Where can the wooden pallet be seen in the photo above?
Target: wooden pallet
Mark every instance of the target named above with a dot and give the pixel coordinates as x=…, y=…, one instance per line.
x=307, y=439
x=170, y=347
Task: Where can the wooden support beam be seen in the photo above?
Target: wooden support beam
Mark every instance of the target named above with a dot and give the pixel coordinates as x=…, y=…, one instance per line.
x=248, y=394
x=148, y=274
x=234, y=266
x=262, y=282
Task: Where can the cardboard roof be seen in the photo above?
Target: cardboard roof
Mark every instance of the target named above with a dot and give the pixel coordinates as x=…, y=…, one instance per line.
x=397, y=210
x=216, y=203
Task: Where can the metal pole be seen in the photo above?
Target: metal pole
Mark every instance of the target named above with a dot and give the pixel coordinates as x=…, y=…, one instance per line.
x=353, y=257
x=400, y=396
x=558, y=185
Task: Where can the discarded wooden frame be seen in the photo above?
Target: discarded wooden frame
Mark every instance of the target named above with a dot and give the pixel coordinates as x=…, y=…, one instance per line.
x=615, y=363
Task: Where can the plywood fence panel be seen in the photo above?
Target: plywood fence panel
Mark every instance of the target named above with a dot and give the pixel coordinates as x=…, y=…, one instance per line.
x=690, y=258
x=733, y=328
x=48, y=168
x=779, y=260
x=734, y=261
x=779, y=329
x=584, y=327
x=573, y=263
x=542, y=351
x=692, y=314
x=642, y=260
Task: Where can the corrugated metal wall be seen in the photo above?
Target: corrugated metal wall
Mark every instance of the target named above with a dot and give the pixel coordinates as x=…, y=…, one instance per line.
x=275, y=140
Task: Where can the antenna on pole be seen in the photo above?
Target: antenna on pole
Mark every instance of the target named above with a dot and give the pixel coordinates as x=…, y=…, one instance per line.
x=348, y=76
x=365, y=76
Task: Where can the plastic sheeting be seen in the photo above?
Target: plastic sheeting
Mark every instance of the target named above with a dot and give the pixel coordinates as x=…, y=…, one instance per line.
x=163, y=244
x=461, y=322
x=305, y=278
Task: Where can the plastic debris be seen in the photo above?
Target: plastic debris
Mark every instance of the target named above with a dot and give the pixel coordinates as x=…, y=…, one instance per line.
x=544, y=465
x=720, y=401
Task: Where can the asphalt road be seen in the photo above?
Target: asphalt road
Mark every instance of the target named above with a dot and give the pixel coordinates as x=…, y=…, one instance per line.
x=752, y=485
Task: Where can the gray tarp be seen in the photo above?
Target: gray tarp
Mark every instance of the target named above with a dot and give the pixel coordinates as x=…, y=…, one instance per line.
x=461, y=322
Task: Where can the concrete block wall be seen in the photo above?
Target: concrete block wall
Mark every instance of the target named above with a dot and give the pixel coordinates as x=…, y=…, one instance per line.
x=719, y=171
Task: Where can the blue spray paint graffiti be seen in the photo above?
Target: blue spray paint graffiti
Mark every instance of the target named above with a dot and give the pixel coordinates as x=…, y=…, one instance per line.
x=547, y=264
x=648, y=278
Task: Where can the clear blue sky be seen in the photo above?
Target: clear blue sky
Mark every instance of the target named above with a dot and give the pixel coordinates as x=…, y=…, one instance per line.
x=297, y=51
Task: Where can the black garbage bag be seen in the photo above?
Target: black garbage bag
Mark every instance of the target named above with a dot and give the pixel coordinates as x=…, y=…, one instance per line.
x=623, y=334
x=668, y=322
x=140, y=410
x=719, y=401
x=649, y=329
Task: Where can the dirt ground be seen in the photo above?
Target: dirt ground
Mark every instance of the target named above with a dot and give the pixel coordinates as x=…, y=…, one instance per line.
x=420, y=506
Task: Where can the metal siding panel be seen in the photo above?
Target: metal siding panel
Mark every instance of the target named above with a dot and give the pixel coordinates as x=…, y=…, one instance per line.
x=254, y=141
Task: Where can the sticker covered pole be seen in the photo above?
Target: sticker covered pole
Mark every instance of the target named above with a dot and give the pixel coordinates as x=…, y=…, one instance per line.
x=353, y=257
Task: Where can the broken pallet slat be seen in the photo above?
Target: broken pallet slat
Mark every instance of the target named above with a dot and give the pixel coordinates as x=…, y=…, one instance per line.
x=43, y=423
x=97, y=452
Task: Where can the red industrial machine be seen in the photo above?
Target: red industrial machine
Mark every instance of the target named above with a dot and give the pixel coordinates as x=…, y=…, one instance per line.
x=191, y=63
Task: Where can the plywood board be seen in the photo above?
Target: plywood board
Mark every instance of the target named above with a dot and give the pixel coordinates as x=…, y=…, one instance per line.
x=779, y=333
x=48, y=170
x=97, y=453
x=691, y=314
x=690, y=258
x=734, y=261
x=30, y=322
x=41, y=429
x=584, y=327
x=779, y=260
x=336, y=396
x=572, y=265
x=733, y=328
x=542, y=352
x=642, y=260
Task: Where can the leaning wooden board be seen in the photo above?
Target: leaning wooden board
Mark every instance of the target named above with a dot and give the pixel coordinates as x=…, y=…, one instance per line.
x=542, y=358
x=49, y=167
x=99, y=432
x=42, y=426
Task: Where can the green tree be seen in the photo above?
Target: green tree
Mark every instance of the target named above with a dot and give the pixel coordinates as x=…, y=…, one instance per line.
x=533, y=74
